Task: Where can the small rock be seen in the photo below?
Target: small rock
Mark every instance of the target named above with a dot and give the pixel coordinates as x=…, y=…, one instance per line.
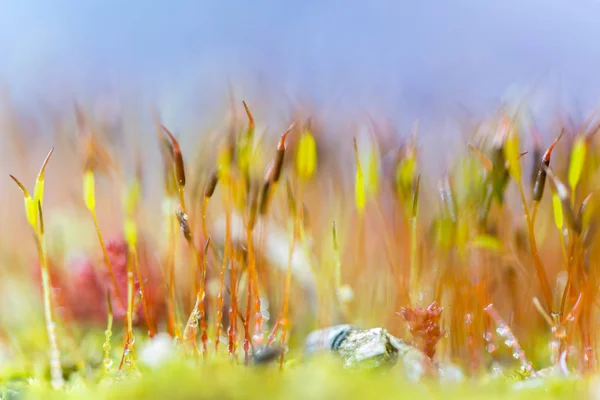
x=267, y=355
x=371, y=348
x=327, y=339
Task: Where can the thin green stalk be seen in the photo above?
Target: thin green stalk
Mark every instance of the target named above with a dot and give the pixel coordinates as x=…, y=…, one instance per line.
x=55, y=364
x=107, y=361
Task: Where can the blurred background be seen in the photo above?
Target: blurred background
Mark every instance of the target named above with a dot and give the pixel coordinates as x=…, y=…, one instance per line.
x=399, y=58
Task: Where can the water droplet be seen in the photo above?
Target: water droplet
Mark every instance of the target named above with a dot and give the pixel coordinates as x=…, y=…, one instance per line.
x=490, y=348
x=503, y=330
x=107, y=363
x=468, y=318
x=106, y=346
x=108, y=333
x=488, y=336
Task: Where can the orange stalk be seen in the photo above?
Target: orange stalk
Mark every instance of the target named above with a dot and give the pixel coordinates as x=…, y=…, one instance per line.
x=226, y=254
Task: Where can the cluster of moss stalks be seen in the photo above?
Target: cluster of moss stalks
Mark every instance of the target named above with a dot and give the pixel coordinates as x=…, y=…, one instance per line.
x=510, y=257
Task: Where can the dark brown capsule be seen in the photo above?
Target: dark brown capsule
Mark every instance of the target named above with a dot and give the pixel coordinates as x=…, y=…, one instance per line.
x=499, y=174
x=264, y=198
x=278, y=165
x=211, y=185
x=177, y=158
x=540, y=179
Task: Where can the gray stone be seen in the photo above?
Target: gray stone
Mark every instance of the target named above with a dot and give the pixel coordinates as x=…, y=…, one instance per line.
x=371, y=348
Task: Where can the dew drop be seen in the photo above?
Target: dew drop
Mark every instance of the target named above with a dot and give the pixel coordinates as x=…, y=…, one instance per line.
x=503, y=330
x=468, y=318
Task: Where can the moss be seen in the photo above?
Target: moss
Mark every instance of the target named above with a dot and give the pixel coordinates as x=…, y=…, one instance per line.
x=320, y=379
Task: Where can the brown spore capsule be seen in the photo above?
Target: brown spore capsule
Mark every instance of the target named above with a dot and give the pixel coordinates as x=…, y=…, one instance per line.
x=540, y=179
x=211, y=185
x=177, y=158
x=277, y=166
x=264, y=198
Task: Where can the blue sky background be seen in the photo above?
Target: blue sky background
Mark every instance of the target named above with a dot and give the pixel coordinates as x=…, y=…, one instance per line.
x=406, y=58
